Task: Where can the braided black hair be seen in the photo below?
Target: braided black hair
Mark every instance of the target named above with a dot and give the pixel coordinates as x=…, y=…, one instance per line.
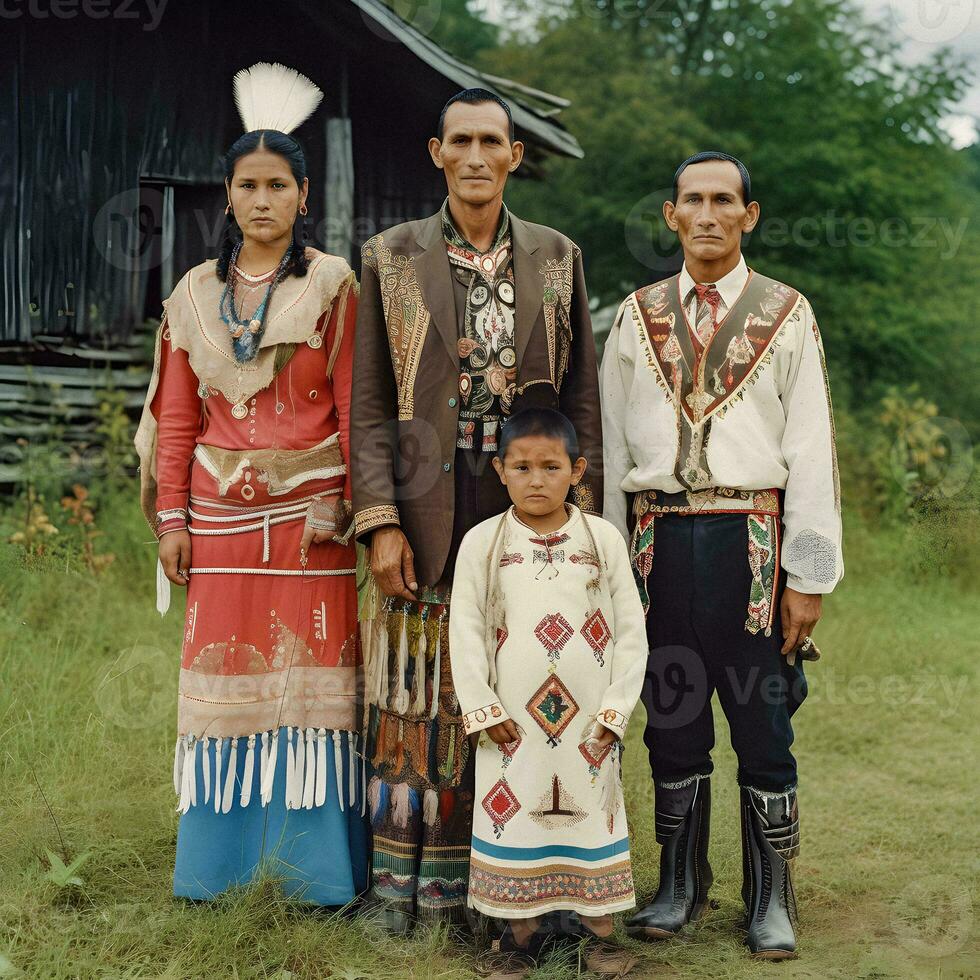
x=288, y=148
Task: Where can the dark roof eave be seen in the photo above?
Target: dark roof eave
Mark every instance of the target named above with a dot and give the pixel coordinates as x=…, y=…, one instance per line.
x=546, y=132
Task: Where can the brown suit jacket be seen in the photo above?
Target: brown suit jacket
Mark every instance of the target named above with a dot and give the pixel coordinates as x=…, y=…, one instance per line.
x=405, y=397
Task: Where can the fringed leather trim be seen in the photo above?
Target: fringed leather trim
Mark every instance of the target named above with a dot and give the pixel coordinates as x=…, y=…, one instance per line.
x=305, y=787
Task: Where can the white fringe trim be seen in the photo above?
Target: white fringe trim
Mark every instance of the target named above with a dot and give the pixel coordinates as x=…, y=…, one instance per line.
x=163, y=590
x=306, y=782
x=401, y=701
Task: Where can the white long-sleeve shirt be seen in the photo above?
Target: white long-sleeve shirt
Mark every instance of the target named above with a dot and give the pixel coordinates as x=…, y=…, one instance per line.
x=768, y=421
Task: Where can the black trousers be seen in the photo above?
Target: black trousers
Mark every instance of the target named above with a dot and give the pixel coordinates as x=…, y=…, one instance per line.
x=699, y=590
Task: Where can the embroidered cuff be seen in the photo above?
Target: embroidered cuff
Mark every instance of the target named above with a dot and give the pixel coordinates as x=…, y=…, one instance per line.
x=171, y=520
x=808, y=586
x=485, y=717
x=372, y=517
x=613, y=719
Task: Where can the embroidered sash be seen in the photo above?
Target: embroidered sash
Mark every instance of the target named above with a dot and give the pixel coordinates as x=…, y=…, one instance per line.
x=703, y=382
x=762, y=510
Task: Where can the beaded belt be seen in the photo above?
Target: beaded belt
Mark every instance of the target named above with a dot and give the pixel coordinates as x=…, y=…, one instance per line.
x=255, y=519
x=712, y=500
x=281, y=470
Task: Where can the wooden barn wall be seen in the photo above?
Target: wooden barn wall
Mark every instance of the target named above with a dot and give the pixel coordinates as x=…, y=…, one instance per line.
x=94, y=107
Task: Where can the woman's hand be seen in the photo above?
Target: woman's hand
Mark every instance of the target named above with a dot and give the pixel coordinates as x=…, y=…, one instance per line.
x=326, y=519
x=175, y=556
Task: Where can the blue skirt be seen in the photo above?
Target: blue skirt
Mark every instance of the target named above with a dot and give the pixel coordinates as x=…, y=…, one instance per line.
x=320, y=854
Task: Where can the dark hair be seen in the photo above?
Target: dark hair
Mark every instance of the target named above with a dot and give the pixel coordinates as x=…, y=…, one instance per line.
x=288, y=148
x=538, y=422
x=717, y=155
x=476, y=96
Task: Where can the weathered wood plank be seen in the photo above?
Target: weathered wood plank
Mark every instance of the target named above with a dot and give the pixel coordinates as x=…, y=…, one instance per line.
x=32, y=374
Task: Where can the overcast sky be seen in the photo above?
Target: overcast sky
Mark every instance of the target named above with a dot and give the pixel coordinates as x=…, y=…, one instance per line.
x=923, y=25
x=926, y=25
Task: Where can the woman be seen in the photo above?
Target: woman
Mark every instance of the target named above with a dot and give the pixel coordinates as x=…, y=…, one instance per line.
x=243, y=446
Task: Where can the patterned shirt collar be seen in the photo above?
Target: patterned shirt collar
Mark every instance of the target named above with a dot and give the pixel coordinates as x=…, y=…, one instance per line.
x=454, y=237
x=729, y=285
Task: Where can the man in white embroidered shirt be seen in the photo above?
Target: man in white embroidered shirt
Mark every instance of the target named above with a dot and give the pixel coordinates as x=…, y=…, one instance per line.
x=721, y=469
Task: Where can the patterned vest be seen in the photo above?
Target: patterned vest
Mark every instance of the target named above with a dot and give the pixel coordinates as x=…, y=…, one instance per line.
x=704, y=381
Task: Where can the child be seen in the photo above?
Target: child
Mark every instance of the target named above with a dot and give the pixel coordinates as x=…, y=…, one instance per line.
x=552, y=651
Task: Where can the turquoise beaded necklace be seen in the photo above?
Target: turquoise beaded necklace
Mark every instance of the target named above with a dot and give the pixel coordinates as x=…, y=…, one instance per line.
x=246, y=335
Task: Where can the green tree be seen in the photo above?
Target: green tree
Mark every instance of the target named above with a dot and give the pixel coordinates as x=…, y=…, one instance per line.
x=866, y=206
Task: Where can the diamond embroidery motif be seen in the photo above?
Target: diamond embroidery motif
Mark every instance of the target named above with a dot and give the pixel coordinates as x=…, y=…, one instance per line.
x=508, y=750
x=500, y=805
x=596, y=631
x=554, y=631
x=594, y=760
x=552, y=707
x=502, y=635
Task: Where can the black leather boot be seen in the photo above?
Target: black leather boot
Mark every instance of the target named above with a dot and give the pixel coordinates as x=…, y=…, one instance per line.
x=682, y=821
x=770, y=840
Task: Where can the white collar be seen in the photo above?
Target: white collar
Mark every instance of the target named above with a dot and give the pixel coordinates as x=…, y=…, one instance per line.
x=729, y=285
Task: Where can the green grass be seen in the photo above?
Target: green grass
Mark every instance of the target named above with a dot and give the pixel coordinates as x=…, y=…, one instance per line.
x=887, y=746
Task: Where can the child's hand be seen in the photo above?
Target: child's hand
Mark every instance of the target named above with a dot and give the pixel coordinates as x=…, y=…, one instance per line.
x=603, y=736
x=503, y=732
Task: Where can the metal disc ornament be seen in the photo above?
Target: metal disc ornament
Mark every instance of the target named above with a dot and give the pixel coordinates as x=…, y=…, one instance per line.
x=497, y=380
x=465, y=347
x=505, y=290
x=315, y=341
x=507, y=356
x=239, y=411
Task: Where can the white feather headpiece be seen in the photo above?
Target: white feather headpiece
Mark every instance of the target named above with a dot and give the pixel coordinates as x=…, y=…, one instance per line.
x=274, y=97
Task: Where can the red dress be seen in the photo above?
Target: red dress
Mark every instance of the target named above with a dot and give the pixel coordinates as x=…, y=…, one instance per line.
x=270, y=651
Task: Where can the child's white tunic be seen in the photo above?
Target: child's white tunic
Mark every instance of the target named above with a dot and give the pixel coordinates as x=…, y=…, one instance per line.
x=549, y=827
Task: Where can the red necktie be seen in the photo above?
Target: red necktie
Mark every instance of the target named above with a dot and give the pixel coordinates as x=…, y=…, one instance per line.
x=706, y=317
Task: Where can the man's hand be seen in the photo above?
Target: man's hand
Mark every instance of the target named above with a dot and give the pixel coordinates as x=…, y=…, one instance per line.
x=800, y=613
x=175, y=556
x=504, y=732
x=393, y=563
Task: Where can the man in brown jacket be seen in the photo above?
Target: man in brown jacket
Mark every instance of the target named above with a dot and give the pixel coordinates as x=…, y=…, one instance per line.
x=464, y=317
